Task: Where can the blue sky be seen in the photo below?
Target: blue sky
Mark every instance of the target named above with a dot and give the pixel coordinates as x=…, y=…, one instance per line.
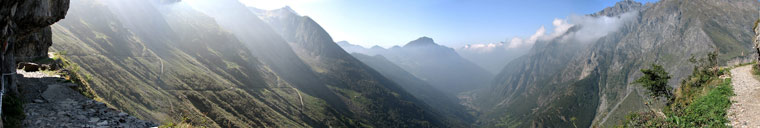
x=449, y=22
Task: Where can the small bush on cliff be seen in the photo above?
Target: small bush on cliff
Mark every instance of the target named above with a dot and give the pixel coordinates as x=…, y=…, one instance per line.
x=655, y=80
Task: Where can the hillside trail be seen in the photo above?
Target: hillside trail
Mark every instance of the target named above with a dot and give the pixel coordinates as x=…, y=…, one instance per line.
x=745, y=111
x=50, y=102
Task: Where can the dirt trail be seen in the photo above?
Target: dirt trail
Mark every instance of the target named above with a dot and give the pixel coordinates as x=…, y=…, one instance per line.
x=50, y=102
x=745, y=112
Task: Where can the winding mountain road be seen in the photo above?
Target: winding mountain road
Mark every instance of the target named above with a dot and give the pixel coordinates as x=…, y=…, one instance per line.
x=745, y=111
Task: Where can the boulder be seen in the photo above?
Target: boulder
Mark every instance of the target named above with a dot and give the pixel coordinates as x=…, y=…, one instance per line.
x=29, y=67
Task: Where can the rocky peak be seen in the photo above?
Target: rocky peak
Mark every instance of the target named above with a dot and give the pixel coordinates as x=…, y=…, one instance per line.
x=422, y=41
x=288, y=10
x=620, y=8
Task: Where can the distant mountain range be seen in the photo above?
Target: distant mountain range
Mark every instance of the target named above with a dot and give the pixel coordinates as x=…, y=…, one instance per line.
x=438, y=65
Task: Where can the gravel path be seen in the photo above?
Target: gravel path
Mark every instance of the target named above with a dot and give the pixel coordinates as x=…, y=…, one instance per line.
x=745, y=112
x=49, y=102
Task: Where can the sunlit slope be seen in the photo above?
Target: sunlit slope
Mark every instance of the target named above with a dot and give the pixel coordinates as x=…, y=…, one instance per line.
x=216, y=83
x=163, y=61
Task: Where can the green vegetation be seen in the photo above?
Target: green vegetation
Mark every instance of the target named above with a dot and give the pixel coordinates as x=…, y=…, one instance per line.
x=71, y=72
x=656, y=81
x=507, y=122
x=181, y=124
x=701, y=101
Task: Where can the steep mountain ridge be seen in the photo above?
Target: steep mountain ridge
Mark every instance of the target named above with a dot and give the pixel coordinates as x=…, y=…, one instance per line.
x=551, y=85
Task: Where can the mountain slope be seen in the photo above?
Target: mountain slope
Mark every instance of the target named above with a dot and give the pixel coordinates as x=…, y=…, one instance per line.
x=340, y=70
x=443, y=103
x=589, y=81
x=189, y=77
x=165, y=61
x=169, y=60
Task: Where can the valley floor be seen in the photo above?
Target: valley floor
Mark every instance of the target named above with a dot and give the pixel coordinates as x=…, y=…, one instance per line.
x=49, y=102
x=745, y=111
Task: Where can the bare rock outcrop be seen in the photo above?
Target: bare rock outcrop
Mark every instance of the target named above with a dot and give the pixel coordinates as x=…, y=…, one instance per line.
x=25, y=23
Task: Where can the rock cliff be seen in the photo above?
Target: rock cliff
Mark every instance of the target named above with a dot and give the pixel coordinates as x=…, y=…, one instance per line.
x=24, y=27
x=24, y=24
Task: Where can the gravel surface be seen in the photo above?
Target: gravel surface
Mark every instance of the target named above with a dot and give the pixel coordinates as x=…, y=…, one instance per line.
x=745, y=111
x=49, y=102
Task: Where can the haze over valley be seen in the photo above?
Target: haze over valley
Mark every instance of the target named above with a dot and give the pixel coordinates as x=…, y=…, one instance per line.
x=331, y=63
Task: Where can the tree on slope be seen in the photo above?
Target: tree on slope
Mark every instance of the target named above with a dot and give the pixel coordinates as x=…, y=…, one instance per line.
x=655, y=80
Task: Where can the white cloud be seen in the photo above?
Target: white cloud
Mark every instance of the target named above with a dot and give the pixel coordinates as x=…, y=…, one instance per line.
x=481, y=48
x=519, y=42
x=560, y=27
x=591, y=29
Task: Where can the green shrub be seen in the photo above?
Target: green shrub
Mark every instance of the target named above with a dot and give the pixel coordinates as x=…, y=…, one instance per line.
x=656, y=81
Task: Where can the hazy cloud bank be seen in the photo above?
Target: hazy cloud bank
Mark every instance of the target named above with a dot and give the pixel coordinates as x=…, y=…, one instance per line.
x=590, y=28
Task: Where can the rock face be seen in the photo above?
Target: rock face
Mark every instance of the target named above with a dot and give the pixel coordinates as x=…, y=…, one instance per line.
x=756, y=40
x=24, y=23
x=34, y=46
